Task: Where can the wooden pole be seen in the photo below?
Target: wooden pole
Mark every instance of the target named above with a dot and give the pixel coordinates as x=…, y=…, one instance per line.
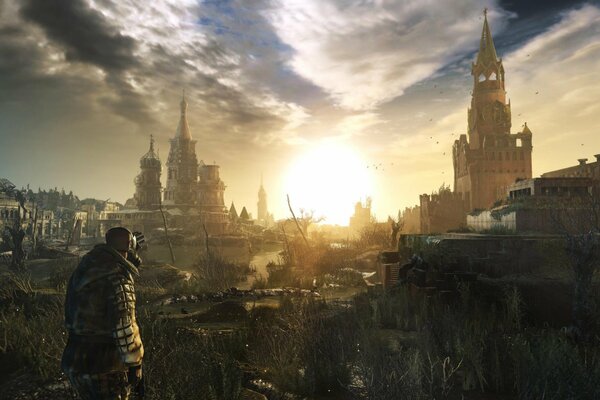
x=34, y=231
x=166, y=229
x=206, y=241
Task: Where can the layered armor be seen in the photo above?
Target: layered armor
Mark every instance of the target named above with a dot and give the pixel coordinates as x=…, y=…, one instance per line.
x=104, y=341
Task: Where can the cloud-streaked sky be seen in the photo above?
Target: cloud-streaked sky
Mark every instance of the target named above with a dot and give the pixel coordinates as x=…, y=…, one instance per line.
x=83, y=83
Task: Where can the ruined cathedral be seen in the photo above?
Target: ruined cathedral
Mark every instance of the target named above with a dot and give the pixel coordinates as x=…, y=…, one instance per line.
x=489, y=158
x=194, y=191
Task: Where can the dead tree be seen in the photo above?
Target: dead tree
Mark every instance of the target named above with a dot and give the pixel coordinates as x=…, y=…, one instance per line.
x=300, y=228
x=16, y=231
x=396, y=226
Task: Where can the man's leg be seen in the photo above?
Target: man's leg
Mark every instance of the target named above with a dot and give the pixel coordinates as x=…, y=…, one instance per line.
x=110, y=386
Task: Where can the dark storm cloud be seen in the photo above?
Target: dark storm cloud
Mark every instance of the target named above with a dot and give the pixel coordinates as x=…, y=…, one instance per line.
x=22, y=76
x=14, y=62
x=88, y=37
x=530, y=8
x=84, y=32
x=64, y=60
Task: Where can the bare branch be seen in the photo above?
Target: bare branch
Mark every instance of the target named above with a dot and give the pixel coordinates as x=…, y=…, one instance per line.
x=296, y=220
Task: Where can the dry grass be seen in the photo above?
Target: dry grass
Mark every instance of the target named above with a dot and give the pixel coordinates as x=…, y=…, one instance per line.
x=313, y=348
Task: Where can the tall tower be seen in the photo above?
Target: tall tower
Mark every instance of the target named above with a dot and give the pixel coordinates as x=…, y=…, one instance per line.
x=492, y=158
x=147, y=183
x=211, y=202
x=489, y=114
x=262, y=211
x=182, y=165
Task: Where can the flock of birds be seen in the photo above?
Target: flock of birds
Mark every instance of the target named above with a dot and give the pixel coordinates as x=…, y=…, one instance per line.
x=381, y=166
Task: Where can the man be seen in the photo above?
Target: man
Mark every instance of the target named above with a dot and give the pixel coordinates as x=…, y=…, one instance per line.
x=103, y=356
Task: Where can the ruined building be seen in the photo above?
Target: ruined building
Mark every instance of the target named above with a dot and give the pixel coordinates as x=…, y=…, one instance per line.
x=211, y=202
x=411, y=220
x=489, y=158
x=582, y=169
x=441, y=211
x=361, y=218
x=182, y=165
x=147, y=183
x=233, y=215
x=244, y=216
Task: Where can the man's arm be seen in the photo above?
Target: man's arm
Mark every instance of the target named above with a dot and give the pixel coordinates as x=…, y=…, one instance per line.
x=125, y=329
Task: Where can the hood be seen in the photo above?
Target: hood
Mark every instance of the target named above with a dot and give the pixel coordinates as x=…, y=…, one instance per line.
x=101, y=262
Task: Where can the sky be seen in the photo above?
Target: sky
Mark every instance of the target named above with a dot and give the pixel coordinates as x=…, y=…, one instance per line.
x=274, y=86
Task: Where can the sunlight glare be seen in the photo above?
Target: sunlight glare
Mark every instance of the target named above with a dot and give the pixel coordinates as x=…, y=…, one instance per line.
x=328, y=179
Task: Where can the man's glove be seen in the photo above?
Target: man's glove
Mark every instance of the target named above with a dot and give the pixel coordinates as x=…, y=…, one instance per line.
x=133, y=258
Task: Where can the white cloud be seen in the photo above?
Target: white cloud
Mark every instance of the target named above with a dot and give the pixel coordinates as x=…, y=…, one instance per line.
x=554, y=86
x=364, y=53
x=357, y=124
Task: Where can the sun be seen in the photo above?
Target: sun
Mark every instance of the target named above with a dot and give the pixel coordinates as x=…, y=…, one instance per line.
x=328, y=179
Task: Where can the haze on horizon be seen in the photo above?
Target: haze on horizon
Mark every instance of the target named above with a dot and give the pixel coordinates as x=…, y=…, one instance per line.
x=301, y=91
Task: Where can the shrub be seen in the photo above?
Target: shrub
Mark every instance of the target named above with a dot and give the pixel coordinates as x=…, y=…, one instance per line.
x=213, y=272
x=62, y=269
x=309, y=350
x=183, y=363
x=34, y=336
x=383, y=374
x=551, y=367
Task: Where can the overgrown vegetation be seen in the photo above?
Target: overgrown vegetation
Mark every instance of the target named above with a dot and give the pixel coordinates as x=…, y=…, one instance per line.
x=212, y=272
x=185, y=363
x=399, y=344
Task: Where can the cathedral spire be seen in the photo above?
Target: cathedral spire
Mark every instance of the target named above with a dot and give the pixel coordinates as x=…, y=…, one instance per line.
x=183, y=103
x=183, y=130
x=487, y=51
x=150, y=159
x=261, y=190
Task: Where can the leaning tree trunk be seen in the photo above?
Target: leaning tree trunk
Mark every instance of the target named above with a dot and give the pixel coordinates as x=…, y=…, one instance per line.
x=18, y=253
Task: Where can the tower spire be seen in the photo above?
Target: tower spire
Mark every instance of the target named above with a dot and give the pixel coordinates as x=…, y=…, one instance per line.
x=489, y=113
x=151, y=142
x=183, y=130
x=183, y=103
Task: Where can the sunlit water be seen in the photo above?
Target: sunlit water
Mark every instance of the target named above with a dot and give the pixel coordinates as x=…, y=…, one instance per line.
x=188, y=255
x=259, y=262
